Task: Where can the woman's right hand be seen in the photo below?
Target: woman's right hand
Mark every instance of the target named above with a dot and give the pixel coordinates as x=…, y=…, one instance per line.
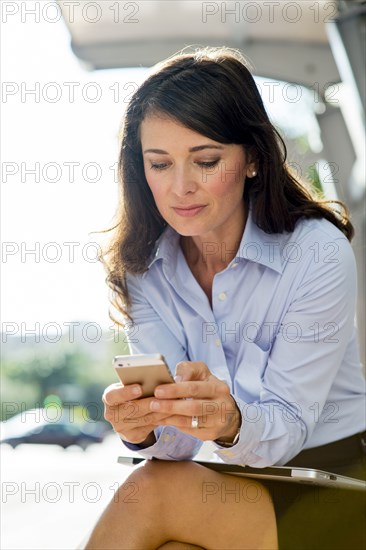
x=130, y=416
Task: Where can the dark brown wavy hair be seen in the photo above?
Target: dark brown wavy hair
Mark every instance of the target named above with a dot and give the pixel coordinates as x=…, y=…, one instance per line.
x=210, y=91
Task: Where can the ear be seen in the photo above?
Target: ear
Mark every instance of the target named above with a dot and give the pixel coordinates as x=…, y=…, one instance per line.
x=251, y=170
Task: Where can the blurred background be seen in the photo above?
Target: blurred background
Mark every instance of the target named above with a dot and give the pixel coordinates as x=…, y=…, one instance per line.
x=68, y=70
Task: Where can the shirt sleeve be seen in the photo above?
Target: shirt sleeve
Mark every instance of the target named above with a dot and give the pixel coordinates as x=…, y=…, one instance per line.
x=150, y=334
x=302, y=365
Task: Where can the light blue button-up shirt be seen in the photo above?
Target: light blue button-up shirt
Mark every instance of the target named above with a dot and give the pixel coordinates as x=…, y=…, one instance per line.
x=280, y=333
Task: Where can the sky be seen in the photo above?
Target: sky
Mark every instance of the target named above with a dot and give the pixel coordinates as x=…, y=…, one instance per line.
x=70, y=141
x=59, y=151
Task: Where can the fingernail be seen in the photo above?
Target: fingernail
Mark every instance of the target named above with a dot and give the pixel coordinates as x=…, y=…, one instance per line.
x=154, y=405
x=136, y=390
x=159, y=393
x=178, y=378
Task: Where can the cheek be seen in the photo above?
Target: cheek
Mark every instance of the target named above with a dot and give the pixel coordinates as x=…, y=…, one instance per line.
x=227, y=183
x=158, y=193
x=153, y=184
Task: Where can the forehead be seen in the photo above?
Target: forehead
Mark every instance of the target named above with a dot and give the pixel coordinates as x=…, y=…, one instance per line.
x=162, y=134
x=156, y=128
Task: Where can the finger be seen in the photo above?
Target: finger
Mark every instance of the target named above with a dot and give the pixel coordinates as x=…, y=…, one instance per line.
x=192, y=370
x=189, y=407
x=127, y=411
x=116, y=394
x=132, y=415
x=210, y=389
x=184, y=424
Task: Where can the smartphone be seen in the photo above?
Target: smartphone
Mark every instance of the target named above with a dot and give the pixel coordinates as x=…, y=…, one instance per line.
x=148, y=370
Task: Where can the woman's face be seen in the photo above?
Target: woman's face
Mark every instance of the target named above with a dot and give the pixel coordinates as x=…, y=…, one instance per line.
x=197, y=183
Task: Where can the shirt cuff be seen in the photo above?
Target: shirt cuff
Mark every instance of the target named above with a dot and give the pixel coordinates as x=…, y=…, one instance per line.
x=251, y=430
x=171, y=444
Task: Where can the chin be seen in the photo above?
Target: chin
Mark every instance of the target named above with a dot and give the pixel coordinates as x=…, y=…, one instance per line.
x=186, y=229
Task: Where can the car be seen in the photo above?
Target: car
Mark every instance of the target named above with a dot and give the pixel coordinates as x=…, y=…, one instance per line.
x=34, y=426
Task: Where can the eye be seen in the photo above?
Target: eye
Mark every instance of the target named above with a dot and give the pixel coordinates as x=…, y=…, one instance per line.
x=208, y=164
x=161, y=166
x=203, y=164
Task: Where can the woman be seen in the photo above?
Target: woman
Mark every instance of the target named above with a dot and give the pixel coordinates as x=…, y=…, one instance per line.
x=228, y=266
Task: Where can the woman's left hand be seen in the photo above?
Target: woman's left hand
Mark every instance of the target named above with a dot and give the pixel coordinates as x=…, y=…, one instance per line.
x=198, y=393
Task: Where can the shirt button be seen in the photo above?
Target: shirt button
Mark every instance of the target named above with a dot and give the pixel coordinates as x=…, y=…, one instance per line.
x=235, y=265
x=218, y=342
x=222, y=296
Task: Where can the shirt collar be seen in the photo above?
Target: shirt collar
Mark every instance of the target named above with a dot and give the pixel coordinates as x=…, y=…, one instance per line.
x=166, y=249
x=255, y=246
x=260, y=247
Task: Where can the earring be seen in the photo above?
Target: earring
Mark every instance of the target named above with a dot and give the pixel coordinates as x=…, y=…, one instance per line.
x=254, y=173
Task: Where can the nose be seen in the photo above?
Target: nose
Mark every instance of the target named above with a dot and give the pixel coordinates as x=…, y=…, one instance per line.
x=183, y=181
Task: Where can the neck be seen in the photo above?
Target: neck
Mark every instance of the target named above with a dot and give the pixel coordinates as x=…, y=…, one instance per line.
x=214, y=251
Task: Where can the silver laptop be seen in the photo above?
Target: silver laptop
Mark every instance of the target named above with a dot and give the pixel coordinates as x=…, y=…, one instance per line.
x=293, y=474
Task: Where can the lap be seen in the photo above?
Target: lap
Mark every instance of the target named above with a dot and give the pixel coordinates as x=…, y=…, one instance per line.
x=207, y=508
x=190, y=496
x=307, y=516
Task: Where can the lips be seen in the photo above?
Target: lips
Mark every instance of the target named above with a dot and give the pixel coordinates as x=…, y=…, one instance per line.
x=189, y=211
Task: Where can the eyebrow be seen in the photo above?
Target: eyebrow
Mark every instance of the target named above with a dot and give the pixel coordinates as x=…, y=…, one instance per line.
x=191, y=150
